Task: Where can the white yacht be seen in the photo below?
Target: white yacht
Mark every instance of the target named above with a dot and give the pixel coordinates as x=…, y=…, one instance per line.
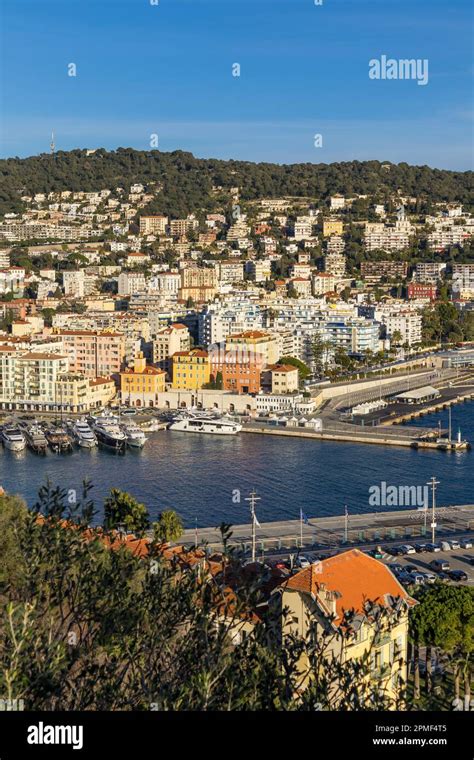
x=35, y=438
x=136, y=438
x=108, y=433
x=200, y=423
x=13, y=438
x=83, y=434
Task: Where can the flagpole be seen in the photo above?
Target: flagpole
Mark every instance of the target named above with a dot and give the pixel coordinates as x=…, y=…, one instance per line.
x=253, y=498
x=301, y=528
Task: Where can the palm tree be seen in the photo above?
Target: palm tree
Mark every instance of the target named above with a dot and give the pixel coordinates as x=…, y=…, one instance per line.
x=168, y=528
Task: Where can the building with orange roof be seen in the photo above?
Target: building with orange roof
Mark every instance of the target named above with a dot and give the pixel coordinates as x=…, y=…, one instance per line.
x=191, y=369
x=141, y=383
x=280, y=378
x=256, y=342
x=355, y=605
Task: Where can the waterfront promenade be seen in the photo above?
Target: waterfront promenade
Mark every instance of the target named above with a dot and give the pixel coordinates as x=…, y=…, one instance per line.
x=327, y=532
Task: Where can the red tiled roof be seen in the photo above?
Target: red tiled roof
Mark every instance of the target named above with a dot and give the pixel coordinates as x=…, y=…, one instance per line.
x=357, y=577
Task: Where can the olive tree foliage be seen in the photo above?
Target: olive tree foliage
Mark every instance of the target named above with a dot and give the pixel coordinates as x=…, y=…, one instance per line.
x=87, y=627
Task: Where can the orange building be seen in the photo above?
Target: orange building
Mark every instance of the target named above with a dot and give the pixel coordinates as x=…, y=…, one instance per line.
x=239, y=374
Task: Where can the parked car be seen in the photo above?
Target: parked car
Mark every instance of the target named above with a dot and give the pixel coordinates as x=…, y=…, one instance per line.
x=440, y=564
x=433, y=548
x=417, y=577
x=455, y=545
x=376, y=553
x=429, y=577
x=303, y=562
x=446, y=546
x=466, y=543
x=411, y=569
x=395, y=567
x=443, y=577
x=404, y=578
x=408, y=549
x=396, y=551
x=457, y=575
x=420, y=548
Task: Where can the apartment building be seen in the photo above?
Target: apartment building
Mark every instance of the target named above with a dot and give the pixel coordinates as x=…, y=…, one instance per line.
x=376, y=271
x=353, y=335
x=421, y=291
x=429, y=272
x=35, y=381
x=130, y=283
x=191, y=369
x=253, y=342
x=444, y=236
x=335, y=263
x=280, y=378
x=300, y=269
x=303, y=228
x=230, y=271
x=332, y=227
x=301, y=286
x=168, y=341
x=407, y=324
x=93, y=353
x=180, y=227
x=463, y=280
x=379, y=236
x=153, y=225
x=74, y=284
x=323, y=282
x=337, y=202
x=238, y=373
x=165, y=283
x=198, y=284
x=335, y=244
x=210, y=327
x=12, y=280
x=259, y=271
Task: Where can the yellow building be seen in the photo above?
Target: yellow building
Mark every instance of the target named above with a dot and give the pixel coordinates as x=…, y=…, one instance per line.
x=332, y=227
x=197, y=283
x=76, y=393
x=318, y=600
x=255, y=342
x=141, y=384
x=191, y=369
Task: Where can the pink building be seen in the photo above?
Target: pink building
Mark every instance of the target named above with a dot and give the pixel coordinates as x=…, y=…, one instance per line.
x=94, y=354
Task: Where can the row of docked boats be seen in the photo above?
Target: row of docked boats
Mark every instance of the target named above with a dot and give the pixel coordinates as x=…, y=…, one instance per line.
x=104, y=430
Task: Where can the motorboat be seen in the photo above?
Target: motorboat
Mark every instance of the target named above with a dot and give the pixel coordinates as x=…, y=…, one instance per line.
x=13, y=438
x=205, y=424
x=136, y=438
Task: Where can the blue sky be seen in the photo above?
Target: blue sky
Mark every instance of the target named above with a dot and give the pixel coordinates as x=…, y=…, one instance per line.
x=166, y=69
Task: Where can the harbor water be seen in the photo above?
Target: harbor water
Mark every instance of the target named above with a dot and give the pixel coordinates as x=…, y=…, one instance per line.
x=206, y=478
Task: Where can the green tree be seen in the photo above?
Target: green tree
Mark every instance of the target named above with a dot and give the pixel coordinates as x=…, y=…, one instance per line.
x=168, y=528
x=121, y=510
x=12, y=517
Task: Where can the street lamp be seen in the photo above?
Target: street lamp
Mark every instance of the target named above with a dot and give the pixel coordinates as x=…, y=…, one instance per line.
x=433, y=483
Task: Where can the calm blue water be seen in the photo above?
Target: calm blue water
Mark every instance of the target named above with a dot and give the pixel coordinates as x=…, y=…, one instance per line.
x=197, y=475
